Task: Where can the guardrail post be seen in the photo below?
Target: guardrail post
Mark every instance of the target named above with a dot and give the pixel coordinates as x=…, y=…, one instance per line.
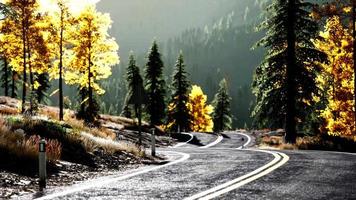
x=42, y=164
x=153, y=143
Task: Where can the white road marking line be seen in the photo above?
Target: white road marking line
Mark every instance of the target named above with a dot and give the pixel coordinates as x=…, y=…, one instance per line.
x=279, y=160
x=183, y=143
x=248, y=140
x=217, y=141
x=92, y=184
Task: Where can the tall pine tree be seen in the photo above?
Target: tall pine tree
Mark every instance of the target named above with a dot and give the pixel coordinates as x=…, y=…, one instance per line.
x=178, y=113
x=284, y=84
x=222, y=115
x=136, y=92
x=133, y=79
x=155, y=87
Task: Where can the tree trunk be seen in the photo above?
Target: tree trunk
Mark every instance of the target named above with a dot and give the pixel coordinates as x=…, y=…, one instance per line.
x=354, y=57
x=90, y=89
x=24, y=66
x=31, y=76
x=291, y=70
x=13, y=84
x=60, y=71
x=138, y=115
x=6, y=84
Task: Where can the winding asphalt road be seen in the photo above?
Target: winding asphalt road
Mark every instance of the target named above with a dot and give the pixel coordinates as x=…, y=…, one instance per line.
x=226, y=167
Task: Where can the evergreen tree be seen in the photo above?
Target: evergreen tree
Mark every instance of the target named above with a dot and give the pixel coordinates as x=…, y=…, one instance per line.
x=178, y=113
x=155, y=87
x=126, y=110
x=89, y=112
x=43, y=86
x=5, y=77
x=284, y=83
x=133, y=78
x=136, y=92
x=222, y=115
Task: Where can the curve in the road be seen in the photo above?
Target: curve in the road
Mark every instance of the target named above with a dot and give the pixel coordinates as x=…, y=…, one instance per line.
x=184, y=156
x=217, y=141
x=248, y=140
x=279, y=160
x=183, y=143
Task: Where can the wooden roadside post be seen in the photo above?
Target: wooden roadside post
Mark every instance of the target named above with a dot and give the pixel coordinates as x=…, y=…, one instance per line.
x=42, y=164
x=153, y=143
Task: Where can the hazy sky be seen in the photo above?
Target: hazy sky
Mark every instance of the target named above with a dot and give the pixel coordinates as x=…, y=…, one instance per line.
x=137, y=22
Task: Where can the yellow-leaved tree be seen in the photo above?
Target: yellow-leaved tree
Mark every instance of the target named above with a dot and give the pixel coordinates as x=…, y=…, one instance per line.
x=94, y=53
x=201, y=120
x=9, y=47
x=28, y=31
x=337, y=78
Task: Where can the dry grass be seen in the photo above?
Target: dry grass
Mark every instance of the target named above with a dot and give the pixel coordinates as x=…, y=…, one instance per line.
x=5, y=110
x=17, y=144
x=276, y=142
x=109, y=146
x=49, y=112
x=272, y=140
x=79, y=126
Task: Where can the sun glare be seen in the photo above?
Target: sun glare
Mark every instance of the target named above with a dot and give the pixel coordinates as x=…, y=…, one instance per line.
x=76, y=6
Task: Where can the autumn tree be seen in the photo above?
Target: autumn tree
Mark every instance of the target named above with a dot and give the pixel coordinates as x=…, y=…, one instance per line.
x=345, y=10
x=222, y=115
x=200, y=112
x=28, y=27
x=337, y=77
x=155, y=87
x=94, y=53
x=62, y=22
x=284, y=84
x=178, y=113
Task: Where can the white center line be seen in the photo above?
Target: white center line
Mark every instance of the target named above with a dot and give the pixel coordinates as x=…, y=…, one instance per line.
x=279, y=160
x=183, y=143
x=217, y=141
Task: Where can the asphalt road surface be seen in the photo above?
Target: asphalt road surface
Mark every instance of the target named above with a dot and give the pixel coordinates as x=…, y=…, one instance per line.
x=226, y=167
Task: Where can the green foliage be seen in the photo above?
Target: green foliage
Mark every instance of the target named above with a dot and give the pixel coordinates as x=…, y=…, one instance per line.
x=126, y=109
x=5, y=77
x=222, y=114
x=178, y=113
x=270, y=80
x=136, y=93
x=44, y=85
x=88, y=112
x=155, y=87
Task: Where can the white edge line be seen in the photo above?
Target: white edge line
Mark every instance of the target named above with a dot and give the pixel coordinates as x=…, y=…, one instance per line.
x=67, y=190
x=217, y=141
x=183, y=143
x=248, y=140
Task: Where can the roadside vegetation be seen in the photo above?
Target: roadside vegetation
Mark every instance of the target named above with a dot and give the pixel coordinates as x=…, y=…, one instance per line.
x=307, y=87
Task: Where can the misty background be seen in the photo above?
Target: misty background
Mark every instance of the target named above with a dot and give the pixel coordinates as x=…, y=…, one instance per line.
x=216, y=37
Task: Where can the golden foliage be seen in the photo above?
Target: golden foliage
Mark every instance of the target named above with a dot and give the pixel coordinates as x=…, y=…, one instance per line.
x=199, y=111
x=93, y=50
x=337, y=78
